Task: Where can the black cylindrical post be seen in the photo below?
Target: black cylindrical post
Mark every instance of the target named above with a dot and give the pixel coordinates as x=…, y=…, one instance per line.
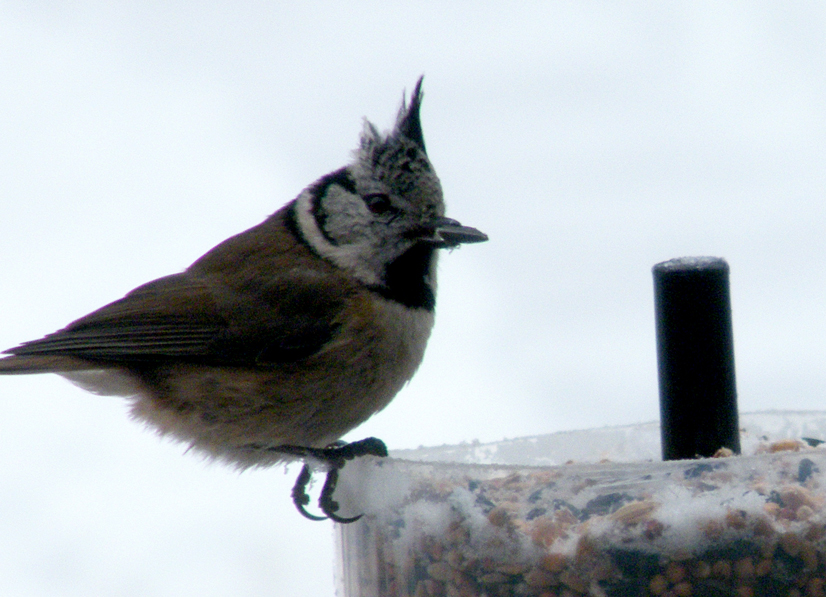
x=695, y=355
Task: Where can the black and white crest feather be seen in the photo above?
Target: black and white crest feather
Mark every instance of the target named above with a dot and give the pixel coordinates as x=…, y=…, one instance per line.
x=408, y=122
x=408, y=125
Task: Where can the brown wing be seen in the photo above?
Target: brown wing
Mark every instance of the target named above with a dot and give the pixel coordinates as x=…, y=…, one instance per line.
x=257, y=299
x=180, y=317
x=170, y=317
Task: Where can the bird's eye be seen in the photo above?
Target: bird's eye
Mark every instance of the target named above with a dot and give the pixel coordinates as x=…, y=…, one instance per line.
x=378, y=203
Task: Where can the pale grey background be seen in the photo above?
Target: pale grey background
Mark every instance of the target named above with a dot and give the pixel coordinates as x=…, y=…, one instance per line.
x=590, y=140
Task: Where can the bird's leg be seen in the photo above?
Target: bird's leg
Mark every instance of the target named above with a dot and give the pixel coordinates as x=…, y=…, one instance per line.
x=335, y=457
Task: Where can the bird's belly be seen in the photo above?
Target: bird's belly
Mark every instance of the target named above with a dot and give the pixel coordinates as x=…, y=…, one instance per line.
x=232, y=412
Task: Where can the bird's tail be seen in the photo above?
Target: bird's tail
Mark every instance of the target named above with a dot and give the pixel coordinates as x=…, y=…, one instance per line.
x=24, y=364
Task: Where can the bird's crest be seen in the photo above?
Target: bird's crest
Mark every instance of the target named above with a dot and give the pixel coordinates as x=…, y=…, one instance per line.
x=408, y=126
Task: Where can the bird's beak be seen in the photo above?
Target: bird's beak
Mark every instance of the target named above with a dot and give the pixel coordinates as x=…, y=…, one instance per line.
x=449, y=233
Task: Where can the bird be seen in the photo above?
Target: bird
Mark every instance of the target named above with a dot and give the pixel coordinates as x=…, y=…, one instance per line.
x=281, y=339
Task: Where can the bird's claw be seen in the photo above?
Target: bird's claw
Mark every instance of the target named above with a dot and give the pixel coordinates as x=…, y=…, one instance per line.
x=335, y=457
x=299, y=493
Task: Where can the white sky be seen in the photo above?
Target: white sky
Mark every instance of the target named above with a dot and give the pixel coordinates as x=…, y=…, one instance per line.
x=590, y=140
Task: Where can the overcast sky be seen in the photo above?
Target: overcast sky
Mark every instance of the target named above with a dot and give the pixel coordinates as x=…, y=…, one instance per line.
x=590, y=140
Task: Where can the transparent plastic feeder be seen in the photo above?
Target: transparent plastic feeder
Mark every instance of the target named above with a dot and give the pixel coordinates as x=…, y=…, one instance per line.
x=590, y=513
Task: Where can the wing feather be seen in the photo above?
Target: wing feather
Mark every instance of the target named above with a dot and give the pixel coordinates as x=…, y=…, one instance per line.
x=257, y=299
x=180, y=317
x=174, y=316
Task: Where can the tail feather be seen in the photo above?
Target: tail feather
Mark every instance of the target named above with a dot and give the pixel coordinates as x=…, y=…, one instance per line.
x=43, y=364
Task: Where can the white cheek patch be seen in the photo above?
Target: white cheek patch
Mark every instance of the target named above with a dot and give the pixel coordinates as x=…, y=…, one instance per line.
x=344, y=256
x=308, y=226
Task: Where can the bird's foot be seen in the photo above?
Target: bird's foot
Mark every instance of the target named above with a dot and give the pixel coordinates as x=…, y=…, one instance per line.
x=335, y=457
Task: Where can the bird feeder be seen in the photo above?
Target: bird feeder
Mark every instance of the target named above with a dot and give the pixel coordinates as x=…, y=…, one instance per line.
x=597, y=512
